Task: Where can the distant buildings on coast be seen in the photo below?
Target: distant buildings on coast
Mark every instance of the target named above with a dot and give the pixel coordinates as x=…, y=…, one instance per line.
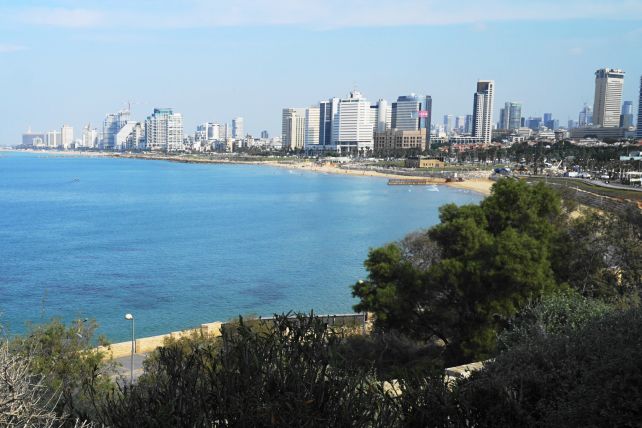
x=353, y=125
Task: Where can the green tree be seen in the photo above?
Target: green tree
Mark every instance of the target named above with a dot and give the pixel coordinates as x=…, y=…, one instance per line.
x=492, y=258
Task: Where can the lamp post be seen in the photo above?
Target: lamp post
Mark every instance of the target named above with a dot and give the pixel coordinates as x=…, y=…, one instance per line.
x=130, y=317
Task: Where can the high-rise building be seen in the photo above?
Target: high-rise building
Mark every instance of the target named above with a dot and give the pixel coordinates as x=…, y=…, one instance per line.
x=483, y=110
x=312, y=126
x=626, y=118
x=111, y=125
x=264, y=135
x=426, y=117
x=67, y=137
x=383, y=112
x=449, y=123
x=405, y=113
x=328, y=111
x=164, y=130
x=293, y=128
x=638, y=132
x=53, y=139
x=468, y=125
x=586, y=117
x=352, y=131
x=460, y=123
x=608, y=97
x=237, y=128
x=136, y=138
x=89, y=137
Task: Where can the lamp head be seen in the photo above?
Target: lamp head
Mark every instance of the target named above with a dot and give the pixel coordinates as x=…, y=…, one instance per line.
x=129, y=317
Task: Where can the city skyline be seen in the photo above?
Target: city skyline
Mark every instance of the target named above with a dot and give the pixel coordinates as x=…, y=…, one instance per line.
x=72, y=62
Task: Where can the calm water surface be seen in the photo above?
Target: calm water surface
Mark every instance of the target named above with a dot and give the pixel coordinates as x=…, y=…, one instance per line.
x=178, y=245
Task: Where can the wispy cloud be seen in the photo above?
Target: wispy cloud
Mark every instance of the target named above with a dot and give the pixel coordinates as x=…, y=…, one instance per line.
x=60, y=17
x=320, y=14
x=9, y=48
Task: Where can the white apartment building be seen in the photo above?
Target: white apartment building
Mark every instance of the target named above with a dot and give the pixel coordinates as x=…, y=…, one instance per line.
x=164, y=130
x=89, y=137
x=67, y=137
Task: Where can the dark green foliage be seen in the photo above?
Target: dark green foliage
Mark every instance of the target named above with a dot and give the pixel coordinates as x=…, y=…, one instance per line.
x=71, y=367
x=601, y=255
x=289, y=375
x=590, y=377
x=560, y=313
x=490, y=260
x=391, y=355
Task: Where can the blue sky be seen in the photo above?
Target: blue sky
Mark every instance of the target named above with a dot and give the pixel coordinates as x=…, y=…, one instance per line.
x=72, y=61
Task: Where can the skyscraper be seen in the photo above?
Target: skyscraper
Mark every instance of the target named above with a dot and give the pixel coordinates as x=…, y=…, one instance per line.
x=626, y=118
x=89, y=137
x=427, y=119
x=586, y=117
x=354, y=124
x=381, y=119
x=237, y=128
x=328, y=111
x=483, y=110
x=449, y=123
x=608, y=97
x=293, y=128
x=312, y=126
x=405, y=113
x=264, y=135
x=638, y=132
x=164, y=130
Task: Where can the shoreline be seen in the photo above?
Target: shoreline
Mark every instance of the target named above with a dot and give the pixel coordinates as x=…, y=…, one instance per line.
x=478, y=185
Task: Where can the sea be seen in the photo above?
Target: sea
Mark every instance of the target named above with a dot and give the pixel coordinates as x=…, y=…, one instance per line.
x=178, y=245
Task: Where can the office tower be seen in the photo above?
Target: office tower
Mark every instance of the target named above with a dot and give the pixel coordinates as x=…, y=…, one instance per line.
x=449, y=123
x=586, y=117
x=312, y=126
x=264, y=135
x=111, y=125
x=514, y=114
x=405, y=113
x=426, y=117
x=503, y=119
x=89, y=137
x=638, y=132
x=293, y=128
x=571, y=124
x=237, y=128
x=608, y=97
x=483, y=110
x=534, y=123
x=353, y=129
x=383, y=112
x=460, y=123
x=626, y=118
x=468, y=125
x=67, y=137
x=548, y=117
x=328, y=111
x=164, y=130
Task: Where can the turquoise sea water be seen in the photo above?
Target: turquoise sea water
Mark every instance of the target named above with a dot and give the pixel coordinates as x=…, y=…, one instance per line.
x=178, y=244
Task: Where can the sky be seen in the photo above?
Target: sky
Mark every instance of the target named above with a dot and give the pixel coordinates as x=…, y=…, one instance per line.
x=74, y=61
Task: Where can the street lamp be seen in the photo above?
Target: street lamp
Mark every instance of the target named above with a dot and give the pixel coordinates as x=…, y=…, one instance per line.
x=130, y=317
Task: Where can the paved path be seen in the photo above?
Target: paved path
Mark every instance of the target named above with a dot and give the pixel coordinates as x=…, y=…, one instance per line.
x=123, y=369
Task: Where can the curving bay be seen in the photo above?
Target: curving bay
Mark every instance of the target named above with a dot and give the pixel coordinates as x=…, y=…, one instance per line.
x=182, y=244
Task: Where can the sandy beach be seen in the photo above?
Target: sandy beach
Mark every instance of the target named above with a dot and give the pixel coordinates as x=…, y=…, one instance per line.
x=479, y=185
